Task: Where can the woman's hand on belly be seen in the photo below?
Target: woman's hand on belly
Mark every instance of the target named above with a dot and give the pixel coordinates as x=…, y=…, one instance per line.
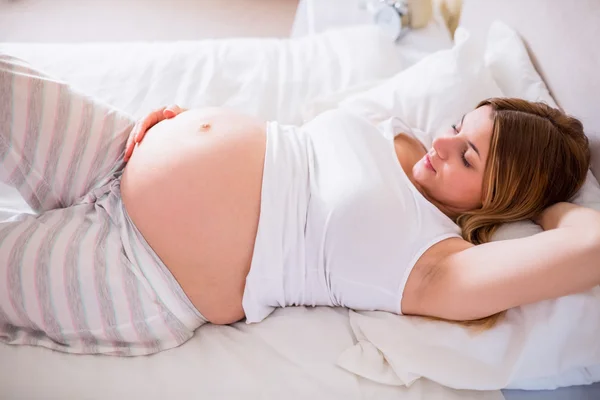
x=141, y=127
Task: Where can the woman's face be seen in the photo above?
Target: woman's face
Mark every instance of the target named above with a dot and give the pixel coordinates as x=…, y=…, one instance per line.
x=458, y=159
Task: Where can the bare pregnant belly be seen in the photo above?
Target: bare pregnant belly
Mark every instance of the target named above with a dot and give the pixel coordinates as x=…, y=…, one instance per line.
x=192, y=187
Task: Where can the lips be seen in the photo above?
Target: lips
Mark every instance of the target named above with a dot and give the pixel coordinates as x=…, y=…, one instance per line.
x=428, y=163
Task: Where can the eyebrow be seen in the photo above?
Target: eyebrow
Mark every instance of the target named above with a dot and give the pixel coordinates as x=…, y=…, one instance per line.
x=470, y=143
x=474, y=148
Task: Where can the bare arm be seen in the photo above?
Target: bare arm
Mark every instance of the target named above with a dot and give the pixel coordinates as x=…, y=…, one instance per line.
x=482, y=280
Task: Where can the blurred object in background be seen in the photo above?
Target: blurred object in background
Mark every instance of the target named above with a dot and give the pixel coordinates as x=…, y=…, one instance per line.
x=419, y=12
x=450, y=12
x=396, y=17
x=76, y=21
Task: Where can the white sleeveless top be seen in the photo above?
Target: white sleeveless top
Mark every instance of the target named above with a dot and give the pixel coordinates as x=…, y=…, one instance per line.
x=340, y=222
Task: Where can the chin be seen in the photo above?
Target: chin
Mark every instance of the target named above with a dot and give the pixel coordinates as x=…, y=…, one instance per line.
x=421, y=174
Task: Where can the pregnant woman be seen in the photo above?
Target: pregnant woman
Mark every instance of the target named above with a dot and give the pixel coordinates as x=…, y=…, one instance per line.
x=214, y=216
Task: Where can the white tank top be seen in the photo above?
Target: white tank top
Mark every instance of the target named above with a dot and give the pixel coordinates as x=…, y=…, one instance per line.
x=340, y=222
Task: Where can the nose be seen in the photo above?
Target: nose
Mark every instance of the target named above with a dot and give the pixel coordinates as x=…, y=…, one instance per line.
x=441, y=145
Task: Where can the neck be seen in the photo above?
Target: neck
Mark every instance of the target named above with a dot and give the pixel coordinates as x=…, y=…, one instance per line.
x=450, y=212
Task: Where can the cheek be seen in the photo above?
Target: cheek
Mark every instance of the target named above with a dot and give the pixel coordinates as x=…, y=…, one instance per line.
x=462, y=185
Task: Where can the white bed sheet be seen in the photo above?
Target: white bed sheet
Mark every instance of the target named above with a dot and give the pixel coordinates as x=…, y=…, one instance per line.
x=292, y=354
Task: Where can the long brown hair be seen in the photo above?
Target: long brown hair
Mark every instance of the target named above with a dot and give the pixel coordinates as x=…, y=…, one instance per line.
x=538, y=156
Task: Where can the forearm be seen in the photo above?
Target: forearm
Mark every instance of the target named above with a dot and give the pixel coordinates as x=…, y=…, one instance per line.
x=580, y=226
x=568, y=215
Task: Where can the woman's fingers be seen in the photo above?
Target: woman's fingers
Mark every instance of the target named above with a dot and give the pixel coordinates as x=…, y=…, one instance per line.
x=130, y=145
x=173, y=111
x=155, y=117
x=142, y=126
x=151, y=119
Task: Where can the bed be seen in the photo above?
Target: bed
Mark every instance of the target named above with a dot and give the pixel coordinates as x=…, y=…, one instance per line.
x=294, y=353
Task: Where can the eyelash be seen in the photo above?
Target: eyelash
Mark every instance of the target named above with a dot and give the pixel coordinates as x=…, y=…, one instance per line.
x=465, y=162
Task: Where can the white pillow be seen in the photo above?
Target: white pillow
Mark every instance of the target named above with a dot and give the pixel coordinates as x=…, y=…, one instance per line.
x=507, y=59
x=433, y=93
x=539, y=346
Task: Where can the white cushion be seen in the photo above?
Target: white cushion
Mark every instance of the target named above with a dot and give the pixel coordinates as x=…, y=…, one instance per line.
x=539, y=346
x=433, y=93
x=507, y=59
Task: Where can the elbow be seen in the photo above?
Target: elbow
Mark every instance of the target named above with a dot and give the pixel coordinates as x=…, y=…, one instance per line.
x=465, y=315
x=451, y=309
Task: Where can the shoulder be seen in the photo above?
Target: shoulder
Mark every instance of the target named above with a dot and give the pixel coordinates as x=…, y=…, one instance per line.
x=409, y=151
x=426, y=268
x=408, y=140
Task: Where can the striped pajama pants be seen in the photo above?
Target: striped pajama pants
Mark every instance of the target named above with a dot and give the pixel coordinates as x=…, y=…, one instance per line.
x=77, y=276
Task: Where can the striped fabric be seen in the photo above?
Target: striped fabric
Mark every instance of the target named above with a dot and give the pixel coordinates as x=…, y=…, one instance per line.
x=78, y=276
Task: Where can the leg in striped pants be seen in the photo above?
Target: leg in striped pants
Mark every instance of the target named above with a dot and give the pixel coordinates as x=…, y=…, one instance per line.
x=78, y=276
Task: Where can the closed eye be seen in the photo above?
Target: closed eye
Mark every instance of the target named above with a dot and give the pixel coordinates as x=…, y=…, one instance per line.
x=464, y=159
